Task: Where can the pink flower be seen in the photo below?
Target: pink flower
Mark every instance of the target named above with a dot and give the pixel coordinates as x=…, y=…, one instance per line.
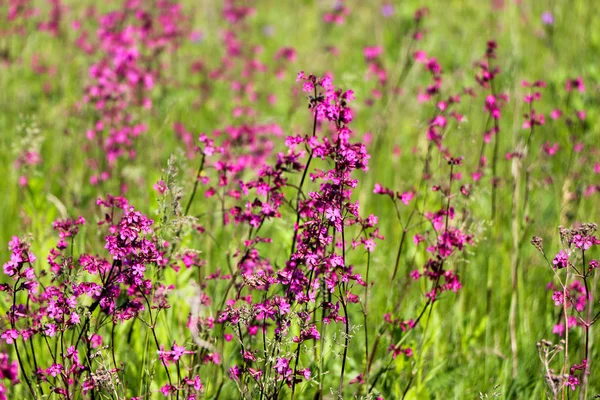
x=406, y=197
x=168, y=389
x=558, y=298
x=576, y=83
x=96, y=341
x=196, y=383
x=561, y=260
x=573, y=382
x=10, y=335
x=160, y=187
x=584, y=242
x=54, y=370
x=558, y=329
x=550, y=149
x=372, y=52
x=74, y=318
x=420, y=56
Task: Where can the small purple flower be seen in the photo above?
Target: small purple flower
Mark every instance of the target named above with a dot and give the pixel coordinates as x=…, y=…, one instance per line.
x=558, y=298
x=558, y=329
x=10, y=335
x=573, y=382
x=583, y=242
x=196, y=37
x=547, y=18
x=561, y=260
x=387, y=10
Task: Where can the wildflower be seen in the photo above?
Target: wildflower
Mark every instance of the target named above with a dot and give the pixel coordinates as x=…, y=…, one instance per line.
x=96, y=341
x=584, y=242
x=195, y=382
x=160, y=187
x=558, y=298
x=558, y=329
x=308, y=334
x=561, y=260
x=378, y=189
x=9, y=370
x=387, y=10
x=573, y=382
x=74, y=319
x=235, y=372
x=547, y=18
x=406, y=197
x=550, y=149
x=10, y=335
x=576, y=83
x=167, y=389
x=54, y=370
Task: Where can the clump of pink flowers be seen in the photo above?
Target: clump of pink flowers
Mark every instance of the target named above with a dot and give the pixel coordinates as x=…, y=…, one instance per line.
x=573, y=268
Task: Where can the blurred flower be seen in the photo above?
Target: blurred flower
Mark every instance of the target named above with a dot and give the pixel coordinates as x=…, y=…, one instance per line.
x=387, y=10
x=268, y=30
x=547, y=18
x=196, y=37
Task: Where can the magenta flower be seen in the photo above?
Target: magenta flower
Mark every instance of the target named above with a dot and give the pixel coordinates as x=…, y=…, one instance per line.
x=195, y=382
x=576, y=83
x=551, y=149
x=387, y=10
x=10, y=335
x=558, y=298
x=584, y=242
x=372, y=52
x=167, y=389
x=558, y=329
x=9, y=370
x=572, y=382
x=406, y=197
x=547, y=18
x=561, y=260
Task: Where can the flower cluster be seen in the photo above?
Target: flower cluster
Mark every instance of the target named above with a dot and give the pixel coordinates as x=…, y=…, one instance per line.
x=259, y=278
x=130, y=41
x=572, y=297
x=63, y=304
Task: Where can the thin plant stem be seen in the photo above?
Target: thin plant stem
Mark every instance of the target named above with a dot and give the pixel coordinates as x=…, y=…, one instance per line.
x=366, y=324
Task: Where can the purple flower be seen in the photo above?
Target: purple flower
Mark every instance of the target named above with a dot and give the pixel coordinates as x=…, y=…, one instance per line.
x=387, y=10
x=9, y=370
x=547, y=18
x=168, y=389
x=558, y=329
x=584, y=242
x=10, y=336
x=561, y=260
x=573, y=382
x=558, y=298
